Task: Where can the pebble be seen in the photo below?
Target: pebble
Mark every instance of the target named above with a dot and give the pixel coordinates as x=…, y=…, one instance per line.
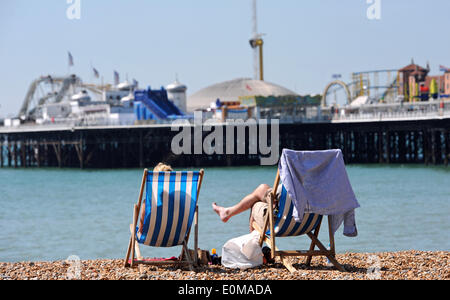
x=412, y=265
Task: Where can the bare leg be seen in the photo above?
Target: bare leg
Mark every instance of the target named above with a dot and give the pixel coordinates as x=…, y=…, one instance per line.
x=225, y=213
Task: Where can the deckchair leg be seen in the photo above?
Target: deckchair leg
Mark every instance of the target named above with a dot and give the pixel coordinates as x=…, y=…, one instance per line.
x=127, y=264
x=137, y=250
x=196, y=236
x=284, y=260
x=133, y=235
x=263, y=230
x=313, y=245
x=271, y=213
x=137, y=207
x=331, y=236
x=330, y=255
x=187, y=255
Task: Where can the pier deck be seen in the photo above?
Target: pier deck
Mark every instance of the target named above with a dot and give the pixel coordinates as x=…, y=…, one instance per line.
x=419, y=141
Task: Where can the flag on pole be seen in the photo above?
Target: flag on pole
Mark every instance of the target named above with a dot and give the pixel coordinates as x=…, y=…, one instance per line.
x=444, y=69
x=116, y=78
x=96, y=73
x=70, y=59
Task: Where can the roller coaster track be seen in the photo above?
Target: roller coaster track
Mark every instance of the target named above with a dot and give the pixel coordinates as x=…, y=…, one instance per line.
x=340, y=83
x=347, y=86
x=65, y=83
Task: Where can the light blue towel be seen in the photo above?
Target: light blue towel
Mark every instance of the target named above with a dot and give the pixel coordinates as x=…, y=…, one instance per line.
x=317, y=182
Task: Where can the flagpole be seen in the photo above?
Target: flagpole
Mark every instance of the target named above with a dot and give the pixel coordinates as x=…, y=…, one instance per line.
x=69, y=63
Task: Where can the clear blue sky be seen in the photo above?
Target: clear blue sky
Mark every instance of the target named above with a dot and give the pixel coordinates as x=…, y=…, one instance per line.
x=206, y=41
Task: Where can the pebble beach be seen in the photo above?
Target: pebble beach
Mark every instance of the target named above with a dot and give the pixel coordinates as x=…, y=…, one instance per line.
x=409, y=265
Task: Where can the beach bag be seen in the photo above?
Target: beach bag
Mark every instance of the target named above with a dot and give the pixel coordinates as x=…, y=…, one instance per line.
x=243, y=252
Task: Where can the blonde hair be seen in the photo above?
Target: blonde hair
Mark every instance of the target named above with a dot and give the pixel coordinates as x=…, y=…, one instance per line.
x=162, y=168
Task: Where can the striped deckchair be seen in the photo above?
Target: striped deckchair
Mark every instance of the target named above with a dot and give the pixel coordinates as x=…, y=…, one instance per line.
x=169, y=210
x=284, y=225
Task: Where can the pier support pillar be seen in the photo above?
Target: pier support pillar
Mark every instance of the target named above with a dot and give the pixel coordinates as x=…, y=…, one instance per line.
x=388, y=147
x=15, y=154
x=9, y=154
x=23, y=154
x=426, y=152
x=416, y=146
x=141, y=150
x=380, y=147
x=57, y=148
x=1, y=154
x=37, y=154
x=402, y=147
x=79, y=147
x=433, y=147
x=446, y=148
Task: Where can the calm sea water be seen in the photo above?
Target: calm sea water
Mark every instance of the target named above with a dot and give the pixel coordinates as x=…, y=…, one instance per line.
x=52, y=214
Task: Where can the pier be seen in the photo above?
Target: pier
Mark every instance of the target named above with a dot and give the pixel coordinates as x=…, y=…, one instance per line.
x=419, y=141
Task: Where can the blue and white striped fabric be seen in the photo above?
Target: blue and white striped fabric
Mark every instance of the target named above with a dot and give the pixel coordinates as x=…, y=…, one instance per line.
x=285, y=224
x=171, y=199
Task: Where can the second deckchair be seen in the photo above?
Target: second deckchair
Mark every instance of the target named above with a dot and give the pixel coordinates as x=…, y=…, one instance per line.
x=284, y=225
x=166, y=216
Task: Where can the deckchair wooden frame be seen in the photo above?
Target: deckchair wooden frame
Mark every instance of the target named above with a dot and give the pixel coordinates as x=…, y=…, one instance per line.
x=314, y=236
x=135, y=251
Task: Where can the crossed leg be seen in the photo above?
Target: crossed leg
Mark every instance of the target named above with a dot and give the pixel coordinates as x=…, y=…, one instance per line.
x=225, y=213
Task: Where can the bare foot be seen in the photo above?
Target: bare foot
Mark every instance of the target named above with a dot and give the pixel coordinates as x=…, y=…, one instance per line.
x=222, y=212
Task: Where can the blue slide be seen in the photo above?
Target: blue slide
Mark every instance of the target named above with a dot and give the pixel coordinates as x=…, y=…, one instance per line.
x=157, y=102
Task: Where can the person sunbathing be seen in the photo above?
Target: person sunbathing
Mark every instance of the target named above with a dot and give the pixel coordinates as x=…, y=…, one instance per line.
x=258, y=201
x=161, y=167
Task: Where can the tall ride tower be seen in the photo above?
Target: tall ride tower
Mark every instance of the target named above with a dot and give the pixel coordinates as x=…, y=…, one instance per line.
x=256, y=42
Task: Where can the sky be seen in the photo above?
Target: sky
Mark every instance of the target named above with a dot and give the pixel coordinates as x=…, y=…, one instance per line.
x=206, y=41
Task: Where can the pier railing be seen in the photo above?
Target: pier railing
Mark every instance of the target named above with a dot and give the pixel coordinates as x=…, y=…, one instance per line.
x=391, y=112
x=365, y=113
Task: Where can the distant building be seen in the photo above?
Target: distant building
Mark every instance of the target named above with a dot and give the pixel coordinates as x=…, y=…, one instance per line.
x=416, y=85
x=447, y=83
x=409, y=76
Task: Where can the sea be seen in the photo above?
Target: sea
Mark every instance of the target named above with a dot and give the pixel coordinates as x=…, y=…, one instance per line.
x=54, y=214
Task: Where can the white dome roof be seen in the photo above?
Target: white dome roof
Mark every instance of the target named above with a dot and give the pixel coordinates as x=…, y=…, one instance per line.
x=176, y=87
x=232, y=90
x=125, y=86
